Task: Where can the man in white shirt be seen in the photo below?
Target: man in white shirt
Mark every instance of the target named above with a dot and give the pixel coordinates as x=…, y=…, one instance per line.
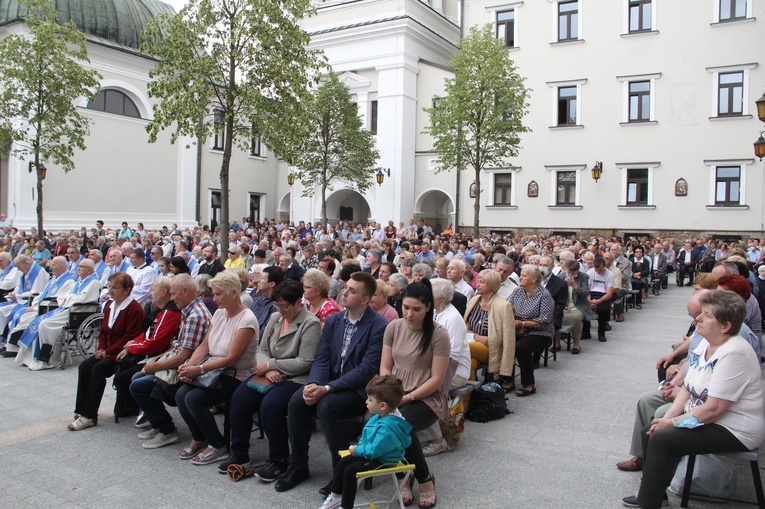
x=601, y=292
x=143, y=276
x=505, y=266
x=455, y=273
x=9, y=274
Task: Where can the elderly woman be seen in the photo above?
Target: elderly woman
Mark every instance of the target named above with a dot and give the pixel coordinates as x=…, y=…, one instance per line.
x=719, y=409
x=406, y=268
x=234, y=257
x=122, y=323
x=230, y=343
x=577, y=304
x=489, y=318
x=534, y=330
x=205, y=292
x=40, y=255
x=316, y=298
x=282, y=363
x=397, y=283
x=379, y=302
x=421, y=271
x=165, y=319
x=416, y=351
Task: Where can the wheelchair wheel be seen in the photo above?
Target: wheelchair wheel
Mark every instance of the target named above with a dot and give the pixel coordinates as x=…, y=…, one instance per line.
x=87, y=334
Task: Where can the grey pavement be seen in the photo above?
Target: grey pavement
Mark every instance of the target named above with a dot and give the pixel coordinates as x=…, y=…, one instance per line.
x=556, y=450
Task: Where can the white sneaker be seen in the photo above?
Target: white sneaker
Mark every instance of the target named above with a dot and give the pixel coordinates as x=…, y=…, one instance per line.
x=333, y=501
x=434, y=448
x=148, y=434
x=161, y=440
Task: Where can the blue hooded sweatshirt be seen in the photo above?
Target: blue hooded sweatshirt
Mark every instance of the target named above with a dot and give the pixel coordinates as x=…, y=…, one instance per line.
x=384, y=439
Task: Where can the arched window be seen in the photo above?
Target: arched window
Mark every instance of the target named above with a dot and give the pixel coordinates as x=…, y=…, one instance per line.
x=114, y=101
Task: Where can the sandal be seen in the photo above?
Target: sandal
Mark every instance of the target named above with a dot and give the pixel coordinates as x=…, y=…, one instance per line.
x=428, y=498
x=238, y=472
x=192, y=450
x=407, y=497
x=82, y=423
x=522, y=393
x=576, y=350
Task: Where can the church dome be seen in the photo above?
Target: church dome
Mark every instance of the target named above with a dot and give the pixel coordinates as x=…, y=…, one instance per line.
x=114, y=23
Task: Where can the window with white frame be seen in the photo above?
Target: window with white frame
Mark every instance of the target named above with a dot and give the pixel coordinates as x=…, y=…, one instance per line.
x=731, y=90
x=506, y=27
x=727, y=182
x=565, y=188
x=639, y=97
x=219, y=129
x=114, y=102
x=731, y=10
x=568, y=21
x=637, y=184
x=640, y=15
x=567, y=106
x=256, y=145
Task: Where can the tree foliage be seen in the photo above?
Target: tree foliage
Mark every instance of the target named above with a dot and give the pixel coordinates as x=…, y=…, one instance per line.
x=336, y=146
x=478, y=123
x=41, y=76
x=246, y=59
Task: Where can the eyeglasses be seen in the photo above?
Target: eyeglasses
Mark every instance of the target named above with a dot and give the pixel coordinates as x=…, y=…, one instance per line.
x=284, y=306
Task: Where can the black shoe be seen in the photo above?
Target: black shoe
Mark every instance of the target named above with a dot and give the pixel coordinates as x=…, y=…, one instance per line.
x=326, y=490
x=664, y=287
x=292, y=478
x=586, y=336
x=8, y=354
x=232, y=460
x=608, y=327
x=690, y=283
x=271, y=471
x=602, y=338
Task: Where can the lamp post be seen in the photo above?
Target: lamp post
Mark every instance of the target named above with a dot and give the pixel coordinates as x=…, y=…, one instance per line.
x=291, y=182
x=597, y=171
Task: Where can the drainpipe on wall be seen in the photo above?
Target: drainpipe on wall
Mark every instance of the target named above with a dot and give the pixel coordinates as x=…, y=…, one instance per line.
x=463, y=8
x=198, y=204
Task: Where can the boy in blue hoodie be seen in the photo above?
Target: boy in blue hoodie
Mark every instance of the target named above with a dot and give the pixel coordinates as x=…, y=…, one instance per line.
x=383, y=441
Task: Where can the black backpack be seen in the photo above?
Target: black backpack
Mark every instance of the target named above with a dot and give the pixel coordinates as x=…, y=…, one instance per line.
x=487, y=403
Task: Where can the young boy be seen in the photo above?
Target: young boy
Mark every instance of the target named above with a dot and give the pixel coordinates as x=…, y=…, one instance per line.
x=384, y=439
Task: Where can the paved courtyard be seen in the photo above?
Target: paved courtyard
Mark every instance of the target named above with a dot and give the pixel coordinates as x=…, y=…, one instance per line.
x=556, y=450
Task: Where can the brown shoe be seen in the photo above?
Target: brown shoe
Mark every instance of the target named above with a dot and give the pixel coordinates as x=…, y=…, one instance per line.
x=620, y=318
x=631, y=465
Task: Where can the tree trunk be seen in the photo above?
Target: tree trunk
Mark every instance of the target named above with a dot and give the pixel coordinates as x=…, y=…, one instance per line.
x=225, y=172
x=477, y=203
x=324, y=205
x=40, y=231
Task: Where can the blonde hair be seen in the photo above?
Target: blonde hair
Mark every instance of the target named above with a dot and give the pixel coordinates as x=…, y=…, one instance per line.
x=227, y=281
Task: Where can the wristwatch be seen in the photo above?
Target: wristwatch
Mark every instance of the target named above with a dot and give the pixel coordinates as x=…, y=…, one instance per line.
x=328, y=388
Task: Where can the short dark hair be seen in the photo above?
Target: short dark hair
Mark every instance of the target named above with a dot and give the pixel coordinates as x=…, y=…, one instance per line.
x=348, y=270
x=288, y=291
x=369, y=282
x=386, y=389
x=331, y=265
x=139, y=252
x=598, y=262
x=274, y=273
x=727, y=307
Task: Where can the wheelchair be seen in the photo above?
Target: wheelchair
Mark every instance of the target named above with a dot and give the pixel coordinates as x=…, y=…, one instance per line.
x=79, y=337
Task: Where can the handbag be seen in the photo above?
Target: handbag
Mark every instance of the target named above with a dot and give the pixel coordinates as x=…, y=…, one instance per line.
x=260, y=384
x=209, y=379
x=166, y=375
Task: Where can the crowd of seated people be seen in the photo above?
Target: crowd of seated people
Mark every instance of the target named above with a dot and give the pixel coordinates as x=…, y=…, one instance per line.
x=295, y=321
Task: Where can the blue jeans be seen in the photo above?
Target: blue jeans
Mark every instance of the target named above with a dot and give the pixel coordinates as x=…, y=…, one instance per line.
x=273, y=419
x=194, y=404
x=141, y=387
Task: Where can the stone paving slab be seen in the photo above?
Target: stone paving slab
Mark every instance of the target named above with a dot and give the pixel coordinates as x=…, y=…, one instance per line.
x=556, y=450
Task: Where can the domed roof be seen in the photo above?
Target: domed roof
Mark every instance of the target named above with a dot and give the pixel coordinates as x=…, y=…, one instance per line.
x=114, y=23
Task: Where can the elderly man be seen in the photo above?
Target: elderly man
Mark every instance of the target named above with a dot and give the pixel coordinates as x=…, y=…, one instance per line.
x=195, y=321
x=101, y=267
x=74, y=257
x=41, y=337
x=620, y=284
x=60, y=284
x=32, y=280
x=156, y=253
x=143, y=276
x=505, y=267
x=455, y=272
x=292, y=271
x=9, y=275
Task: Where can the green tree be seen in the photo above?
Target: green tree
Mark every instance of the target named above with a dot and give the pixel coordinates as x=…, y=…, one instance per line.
x=235, y=68
x=478, y=123
x=41, y=75
x=336, y=146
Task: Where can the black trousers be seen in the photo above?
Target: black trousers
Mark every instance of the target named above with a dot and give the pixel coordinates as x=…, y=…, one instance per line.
x=527, y=348
x=91, y=382
x=125, y=405
x=603, y=311
x=682, y=271
x=344, y=481
x=421, y=417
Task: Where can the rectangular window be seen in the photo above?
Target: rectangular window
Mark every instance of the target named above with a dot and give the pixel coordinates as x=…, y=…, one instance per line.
x=506, y=28
x=215, y=204
x=254, y=207
x=640, y=101
x=637, y=186
x=567, y=106
x=256, y=146
x=728, y=185
x=640, y=15
x=219, y=130
x=731, y=10
x=503, y=184
x=568, y=21
x=730, y=94
x=373, y=117
x=566, y=190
